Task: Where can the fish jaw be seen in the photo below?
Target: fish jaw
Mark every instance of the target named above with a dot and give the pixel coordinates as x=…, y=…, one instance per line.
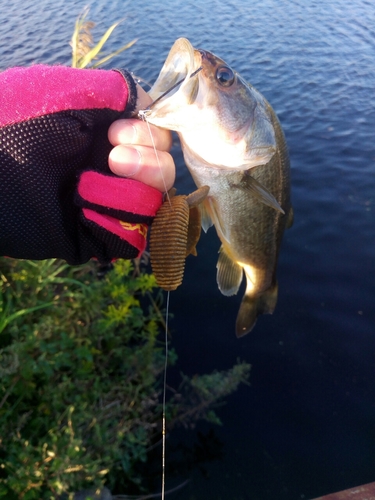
x=178, y=65
x=170, y=111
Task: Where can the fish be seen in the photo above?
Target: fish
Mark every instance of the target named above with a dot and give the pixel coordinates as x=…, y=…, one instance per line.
x=233, y=142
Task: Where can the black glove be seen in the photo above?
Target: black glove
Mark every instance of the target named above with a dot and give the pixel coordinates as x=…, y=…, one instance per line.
x=58, y=197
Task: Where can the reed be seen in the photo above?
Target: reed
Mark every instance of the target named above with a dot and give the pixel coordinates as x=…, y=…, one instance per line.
x=84, y=51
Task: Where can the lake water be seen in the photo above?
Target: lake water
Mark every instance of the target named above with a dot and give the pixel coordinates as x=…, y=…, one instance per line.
x=306, y=424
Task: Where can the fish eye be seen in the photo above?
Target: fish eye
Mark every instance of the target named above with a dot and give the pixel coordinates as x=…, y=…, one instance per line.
x=225, y=76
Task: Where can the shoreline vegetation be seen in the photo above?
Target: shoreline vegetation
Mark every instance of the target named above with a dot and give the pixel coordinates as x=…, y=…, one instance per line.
x=81, y=363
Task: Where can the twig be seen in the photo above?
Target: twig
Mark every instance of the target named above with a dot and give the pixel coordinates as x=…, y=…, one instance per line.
x=16, y=379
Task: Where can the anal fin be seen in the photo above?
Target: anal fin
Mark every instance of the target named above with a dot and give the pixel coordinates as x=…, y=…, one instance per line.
x=229, y=274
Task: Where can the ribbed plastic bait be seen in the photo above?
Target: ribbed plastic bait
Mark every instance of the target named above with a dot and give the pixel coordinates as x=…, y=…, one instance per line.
x=175, y=232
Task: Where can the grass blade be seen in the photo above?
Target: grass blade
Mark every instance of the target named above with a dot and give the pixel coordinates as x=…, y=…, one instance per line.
x=113, y=54
x=98, y=47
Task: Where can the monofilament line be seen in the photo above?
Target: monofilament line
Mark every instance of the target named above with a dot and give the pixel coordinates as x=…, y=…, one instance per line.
x=164, y=432
x=143, y=115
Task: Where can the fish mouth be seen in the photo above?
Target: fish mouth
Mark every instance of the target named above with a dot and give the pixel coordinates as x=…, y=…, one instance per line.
x=176, y=76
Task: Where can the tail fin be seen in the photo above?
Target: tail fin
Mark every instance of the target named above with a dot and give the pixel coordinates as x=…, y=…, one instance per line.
x=254, y=305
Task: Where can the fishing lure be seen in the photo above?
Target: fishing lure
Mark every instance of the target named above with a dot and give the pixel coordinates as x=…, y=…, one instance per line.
x=174, y=234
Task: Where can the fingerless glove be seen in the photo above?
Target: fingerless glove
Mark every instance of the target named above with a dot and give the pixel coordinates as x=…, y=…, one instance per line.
x=58, y=197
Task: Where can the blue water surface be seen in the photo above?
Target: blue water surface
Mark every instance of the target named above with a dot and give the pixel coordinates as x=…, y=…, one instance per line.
x=306, y=424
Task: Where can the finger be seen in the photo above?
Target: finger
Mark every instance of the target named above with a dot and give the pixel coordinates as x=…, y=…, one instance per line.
x=142, y=164
x=133, y=131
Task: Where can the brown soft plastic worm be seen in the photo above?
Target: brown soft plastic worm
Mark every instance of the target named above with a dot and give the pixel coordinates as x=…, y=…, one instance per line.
x=175, y=232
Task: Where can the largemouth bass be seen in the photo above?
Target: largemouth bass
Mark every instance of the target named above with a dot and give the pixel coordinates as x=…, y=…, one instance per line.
x=232, y=142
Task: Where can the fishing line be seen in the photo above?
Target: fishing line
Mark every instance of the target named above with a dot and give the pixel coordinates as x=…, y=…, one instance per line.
x=143, y=116
x=157, y=158
x=164, y=433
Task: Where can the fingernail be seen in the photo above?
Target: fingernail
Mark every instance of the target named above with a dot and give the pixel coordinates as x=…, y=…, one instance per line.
x=127, y=134
x=133, y=161
x=135, y=135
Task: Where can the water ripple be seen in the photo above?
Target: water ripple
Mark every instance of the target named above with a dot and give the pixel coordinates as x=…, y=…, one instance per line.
x=314, y=62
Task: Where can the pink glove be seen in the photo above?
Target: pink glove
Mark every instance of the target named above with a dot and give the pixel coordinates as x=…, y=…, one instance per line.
x=58, y=196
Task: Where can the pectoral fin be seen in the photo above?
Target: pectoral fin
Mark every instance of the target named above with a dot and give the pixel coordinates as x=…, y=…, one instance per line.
x=194, y=231
x=259, y=192
x=229, y=274
x=197, y=196
x=194, y=228
x=252, y=306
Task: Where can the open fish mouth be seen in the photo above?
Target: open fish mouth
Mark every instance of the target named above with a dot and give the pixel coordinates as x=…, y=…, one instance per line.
x=175, y=86
x=181, y=62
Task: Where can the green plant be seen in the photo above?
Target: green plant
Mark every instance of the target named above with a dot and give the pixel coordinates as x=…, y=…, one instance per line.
x=84, y=52
x=80, y=378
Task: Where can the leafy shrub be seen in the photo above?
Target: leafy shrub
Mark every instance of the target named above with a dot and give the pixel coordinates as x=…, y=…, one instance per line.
x=80, y=378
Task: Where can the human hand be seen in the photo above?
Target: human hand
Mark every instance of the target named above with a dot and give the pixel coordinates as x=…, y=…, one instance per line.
x=133, y=154
x=55, y=126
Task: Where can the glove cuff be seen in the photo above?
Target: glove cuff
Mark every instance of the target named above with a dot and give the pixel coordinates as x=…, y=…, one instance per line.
x=117, y=235
x=118, y=197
